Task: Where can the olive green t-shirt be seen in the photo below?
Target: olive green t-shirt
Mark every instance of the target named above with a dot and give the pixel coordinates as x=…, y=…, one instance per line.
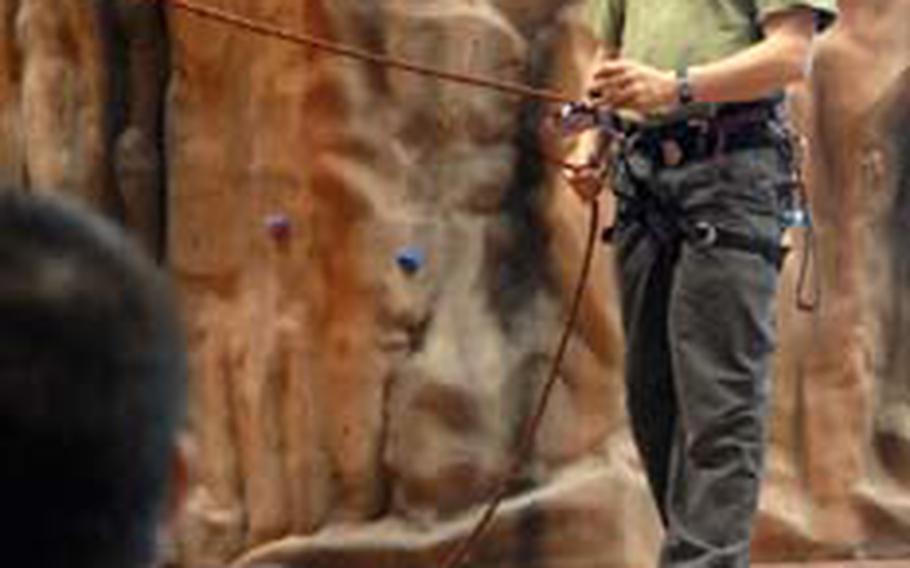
x=671, y=34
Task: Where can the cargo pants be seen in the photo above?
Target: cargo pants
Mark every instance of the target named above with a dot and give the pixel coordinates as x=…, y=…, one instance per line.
x=699, y=326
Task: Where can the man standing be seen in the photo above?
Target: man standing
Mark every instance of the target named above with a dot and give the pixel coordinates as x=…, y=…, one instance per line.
x=702, y=183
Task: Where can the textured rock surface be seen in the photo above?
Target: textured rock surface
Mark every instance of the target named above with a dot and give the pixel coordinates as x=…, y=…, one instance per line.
x=855, y=380
x=81, y=100
x=349, y=412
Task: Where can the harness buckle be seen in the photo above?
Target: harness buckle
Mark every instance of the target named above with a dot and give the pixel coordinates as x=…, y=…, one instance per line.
x=704, y=235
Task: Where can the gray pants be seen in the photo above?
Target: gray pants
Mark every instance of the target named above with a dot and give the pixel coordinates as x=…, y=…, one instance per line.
x=699, y=324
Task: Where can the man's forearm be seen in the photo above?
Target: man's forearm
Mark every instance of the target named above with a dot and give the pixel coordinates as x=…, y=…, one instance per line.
x=763, y=69
x=781, y=58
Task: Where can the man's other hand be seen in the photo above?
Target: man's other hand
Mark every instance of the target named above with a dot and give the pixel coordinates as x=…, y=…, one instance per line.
x=587, y=181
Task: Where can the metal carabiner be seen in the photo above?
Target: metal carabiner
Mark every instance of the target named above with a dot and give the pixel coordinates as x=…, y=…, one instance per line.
x=577, y=117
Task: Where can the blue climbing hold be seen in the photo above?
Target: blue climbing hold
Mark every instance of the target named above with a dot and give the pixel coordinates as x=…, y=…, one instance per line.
x=278, y=225
x=411, y=259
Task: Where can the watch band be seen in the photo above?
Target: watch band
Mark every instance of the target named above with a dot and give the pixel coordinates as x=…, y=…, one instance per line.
x=684, y=90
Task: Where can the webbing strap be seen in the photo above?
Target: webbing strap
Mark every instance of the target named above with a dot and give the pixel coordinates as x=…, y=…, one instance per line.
x=707, y=236
x=771, y=251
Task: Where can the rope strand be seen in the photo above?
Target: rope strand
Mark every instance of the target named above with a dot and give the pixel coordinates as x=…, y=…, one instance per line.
x=459, y=555
x=351, y=52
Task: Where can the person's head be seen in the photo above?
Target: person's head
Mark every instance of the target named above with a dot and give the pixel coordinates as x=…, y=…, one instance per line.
x=92, y=386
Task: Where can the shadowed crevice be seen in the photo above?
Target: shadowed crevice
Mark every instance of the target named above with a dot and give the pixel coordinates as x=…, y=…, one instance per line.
x=137, y=60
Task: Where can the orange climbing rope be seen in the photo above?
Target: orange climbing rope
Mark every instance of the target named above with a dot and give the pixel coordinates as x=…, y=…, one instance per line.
x=361, y=54
x=461, y=552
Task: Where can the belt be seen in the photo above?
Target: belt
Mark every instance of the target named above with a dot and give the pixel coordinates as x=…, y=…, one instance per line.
x=732, y=128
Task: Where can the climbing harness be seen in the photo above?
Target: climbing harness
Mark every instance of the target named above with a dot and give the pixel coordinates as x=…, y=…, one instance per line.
x=741, y=126
x=670, y=226
x=572, y=118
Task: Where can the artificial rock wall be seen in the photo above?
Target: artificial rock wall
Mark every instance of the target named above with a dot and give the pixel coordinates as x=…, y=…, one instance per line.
x=375, y=268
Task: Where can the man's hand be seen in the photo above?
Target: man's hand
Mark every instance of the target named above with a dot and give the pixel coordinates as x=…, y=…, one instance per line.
x=626, y=84
x=587, y=181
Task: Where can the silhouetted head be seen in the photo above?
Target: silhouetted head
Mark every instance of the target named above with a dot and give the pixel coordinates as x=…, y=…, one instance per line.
x=92, y=381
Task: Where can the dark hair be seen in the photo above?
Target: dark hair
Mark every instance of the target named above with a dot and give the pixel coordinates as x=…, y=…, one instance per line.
x=92, y=386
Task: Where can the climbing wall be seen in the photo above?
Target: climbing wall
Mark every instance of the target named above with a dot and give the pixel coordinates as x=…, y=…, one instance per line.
x=369, y=365
x=81, y=100
x=375, y=268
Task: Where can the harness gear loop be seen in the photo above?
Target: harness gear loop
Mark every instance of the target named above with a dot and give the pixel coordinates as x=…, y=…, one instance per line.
x=797, y=146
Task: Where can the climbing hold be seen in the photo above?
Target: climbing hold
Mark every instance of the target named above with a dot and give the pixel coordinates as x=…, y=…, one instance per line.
x=279, y=226
x=410, y=259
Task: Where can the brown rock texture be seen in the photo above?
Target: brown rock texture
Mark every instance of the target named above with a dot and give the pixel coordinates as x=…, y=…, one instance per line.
x=81, y=102
x=335, y=388
x=376, y=267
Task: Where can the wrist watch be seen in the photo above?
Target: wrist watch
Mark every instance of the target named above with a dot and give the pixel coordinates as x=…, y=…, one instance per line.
x=685, y=93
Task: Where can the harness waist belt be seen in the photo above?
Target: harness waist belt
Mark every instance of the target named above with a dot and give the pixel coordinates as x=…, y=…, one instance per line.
x=733, y=128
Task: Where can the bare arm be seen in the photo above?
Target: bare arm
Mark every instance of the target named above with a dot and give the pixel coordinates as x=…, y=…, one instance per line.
x=778, y=60
x=782, y=58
